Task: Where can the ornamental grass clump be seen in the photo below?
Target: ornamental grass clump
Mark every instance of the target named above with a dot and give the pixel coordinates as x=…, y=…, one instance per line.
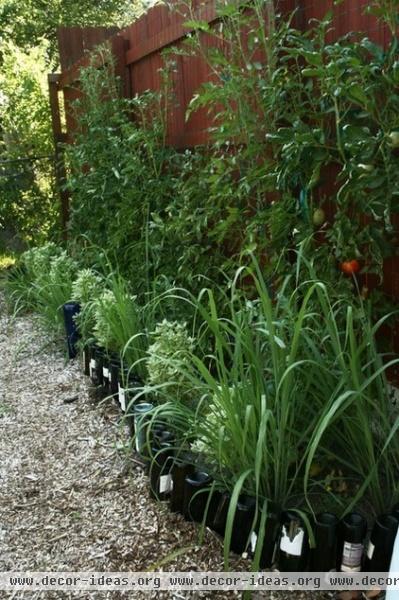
x=119, y=324
x=52, y=289
x=294, y=391
x=168, y=355
x=43, y=282
x=33, y=265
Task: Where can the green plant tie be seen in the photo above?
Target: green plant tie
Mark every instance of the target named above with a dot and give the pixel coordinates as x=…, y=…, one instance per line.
x=303, y=204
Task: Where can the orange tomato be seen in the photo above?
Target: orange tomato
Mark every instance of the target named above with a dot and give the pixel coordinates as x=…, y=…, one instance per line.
x=350, y=267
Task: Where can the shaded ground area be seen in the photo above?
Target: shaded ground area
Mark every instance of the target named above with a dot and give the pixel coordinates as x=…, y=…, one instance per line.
x=71, y=498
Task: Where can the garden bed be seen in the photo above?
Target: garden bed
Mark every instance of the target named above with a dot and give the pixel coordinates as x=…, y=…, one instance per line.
x=71, y=498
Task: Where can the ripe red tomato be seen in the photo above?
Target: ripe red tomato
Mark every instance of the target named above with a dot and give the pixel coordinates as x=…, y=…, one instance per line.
x=349, y=267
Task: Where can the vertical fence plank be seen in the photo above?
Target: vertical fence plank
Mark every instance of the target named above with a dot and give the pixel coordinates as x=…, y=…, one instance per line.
x=59, y=138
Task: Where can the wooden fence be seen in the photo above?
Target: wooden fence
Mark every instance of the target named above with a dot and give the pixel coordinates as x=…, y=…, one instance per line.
x=138, y=54
x=138, y=57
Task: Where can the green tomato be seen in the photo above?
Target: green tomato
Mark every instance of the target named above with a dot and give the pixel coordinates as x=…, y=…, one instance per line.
x=394, y=139
x=319, y=217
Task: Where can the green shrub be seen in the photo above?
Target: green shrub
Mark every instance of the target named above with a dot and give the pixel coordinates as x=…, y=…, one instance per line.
x=117, y=173
x=42, y=281
x=28, y=206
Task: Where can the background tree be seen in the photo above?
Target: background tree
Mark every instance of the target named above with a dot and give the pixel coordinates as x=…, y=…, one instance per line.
x=28, y=51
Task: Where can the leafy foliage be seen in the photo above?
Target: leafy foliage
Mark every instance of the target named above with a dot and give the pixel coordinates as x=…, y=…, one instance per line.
x=28, y=206
x=117, y=172
x=42, y=281
x=27, y=23
x=316, y=122
x=303, y=155
x=86, y=289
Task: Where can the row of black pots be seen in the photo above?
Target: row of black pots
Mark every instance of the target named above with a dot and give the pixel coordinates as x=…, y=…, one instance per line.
x=339, y=544
x=108, y=375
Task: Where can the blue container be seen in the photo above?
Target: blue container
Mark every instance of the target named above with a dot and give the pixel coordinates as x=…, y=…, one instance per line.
x=71, y=309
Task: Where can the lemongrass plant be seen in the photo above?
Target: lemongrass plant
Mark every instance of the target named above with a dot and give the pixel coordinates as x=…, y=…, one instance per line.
x=293, y=383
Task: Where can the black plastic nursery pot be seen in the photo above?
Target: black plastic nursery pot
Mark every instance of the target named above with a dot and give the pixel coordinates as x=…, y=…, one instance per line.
x=196, y=494
x=96, y=364
x=106, y=373
x=293, y=545
x=271, y=532
x=218, y=522
x=323, y=557
x=86, y=360
x=180, y=471
x=244, y=532
x=114, y=369
x=93, y=363
x=381, y=543
x=161, y=482
x=100, y=357
x=128, y=385
x=243, y=523
x=70, y=310
x=351, y=533
x=141, y=421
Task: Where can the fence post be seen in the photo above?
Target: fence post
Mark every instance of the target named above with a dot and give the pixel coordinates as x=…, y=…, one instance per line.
x=59, y=138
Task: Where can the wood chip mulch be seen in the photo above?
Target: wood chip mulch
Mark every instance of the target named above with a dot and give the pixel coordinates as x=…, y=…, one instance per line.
x=71, y=496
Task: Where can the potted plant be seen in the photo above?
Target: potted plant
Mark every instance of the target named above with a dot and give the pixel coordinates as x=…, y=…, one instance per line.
x=86, y=289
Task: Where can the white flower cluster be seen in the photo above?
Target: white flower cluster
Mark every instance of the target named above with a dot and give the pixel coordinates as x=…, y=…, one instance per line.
x=168, y=357
x=37, y=260
x=87, y=286
x=62, y=267
x=102, y=308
